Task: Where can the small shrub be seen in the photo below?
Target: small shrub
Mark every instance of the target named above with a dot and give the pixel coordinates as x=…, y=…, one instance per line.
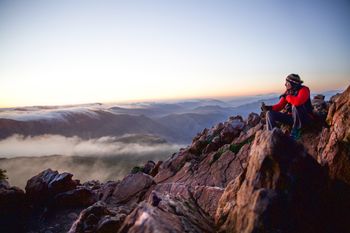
x=217, y=155
x=136, y=169
x=235, y=148
x=2, y=174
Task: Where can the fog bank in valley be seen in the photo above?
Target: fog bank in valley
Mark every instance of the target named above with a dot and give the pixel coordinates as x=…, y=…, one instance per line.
x=106, y=158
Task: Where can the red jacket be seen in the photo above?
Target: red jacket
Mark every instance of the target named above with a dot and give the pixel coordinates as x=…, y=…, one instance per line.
x=300, y=99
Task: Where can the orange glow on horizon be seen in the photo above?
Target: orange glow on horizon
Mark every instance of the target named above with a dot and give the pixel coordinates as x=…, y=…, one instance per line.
x=178, y=94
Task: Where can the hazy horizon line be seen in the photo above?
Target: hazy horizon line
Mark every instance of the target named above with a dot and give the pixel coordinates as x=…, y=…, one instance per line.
x=150, y=100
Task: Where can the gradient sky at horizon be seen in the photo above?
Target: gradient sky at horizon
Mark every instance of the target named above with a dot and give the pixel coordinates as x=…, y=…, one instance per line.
x=69, y=52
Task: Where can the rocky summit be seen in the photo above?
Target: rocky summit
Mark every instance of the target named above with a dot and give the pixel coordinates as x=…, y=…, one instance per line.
x=234, y=177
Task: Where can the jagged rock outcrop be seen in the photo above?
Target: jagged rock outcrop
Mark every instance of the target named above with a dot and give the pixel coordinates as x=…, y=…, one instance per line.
x=186, y=188
x=234, y=177
x=131, y=187
x=47, y=184
x=205, y=197
x=166, y=213
x=334, y=146
x=320, y=106
x=117, y=200
x=50, y=201
x=99, y=218
x=271, y=196
x=199, y=165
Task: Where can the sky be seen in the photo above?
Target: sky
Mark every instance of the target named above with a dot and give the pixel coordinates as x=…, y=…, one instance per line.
x=71, y=52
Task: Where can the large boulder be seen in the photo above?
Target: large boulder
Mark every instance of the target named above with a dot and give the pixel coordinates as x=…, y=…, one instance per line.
x=118, y=200
x=47, y=184
x=130, y=188
x=229, y=132
x=99, y=218
x=253, y=119
x=166, y=213
x=334, y=145
x=205, y=197
x=81, y=196
x=280, y=191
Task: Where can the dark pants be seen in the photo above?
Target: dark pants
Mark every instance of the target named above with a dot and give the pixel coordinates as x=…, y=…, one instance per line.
x=297, y=119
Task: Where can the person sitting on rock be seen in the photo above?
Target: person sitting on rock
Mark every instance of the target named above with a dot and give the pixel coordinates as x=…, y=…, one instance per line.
x=294, y=107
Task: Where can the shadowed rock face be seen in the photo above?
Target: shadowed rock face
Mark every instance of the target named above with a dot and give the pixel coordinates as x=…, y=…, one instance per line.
x=13, y=208
x=47, y=184
x=280, y=191
x=334, y=146
x=167, y=214
x=234, y=177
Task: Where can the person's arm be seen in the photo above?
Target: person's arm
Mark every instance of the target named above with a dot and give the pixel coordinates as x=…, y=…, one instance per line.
x=301, y=98
x=280, y=105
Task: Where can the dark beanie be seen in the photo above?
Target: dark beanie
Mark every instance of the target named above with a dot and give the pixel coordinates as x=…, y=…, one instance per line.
x=294, y=78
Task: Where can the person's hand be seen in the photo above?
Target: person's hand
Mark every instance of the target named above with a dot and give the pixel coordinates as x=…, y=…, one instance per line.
x=265, y=108
x=283, y=95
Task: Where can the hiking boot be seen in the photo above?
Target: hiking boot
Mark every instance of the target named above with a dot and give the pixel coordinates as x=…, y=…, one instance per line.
x=295, y=134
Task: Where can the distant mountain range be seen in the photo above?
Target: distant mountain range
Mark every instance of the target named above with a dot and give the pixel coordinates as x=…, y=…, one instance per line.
x=176, y=122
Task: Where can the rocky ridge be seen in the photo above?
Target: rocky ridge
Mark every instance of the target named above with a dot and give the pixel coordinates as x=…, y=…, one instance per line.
x=234, y=177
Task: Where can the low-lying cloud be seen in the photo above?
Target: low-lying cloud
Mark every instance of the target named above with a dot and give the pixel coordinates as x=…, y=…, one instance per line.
x=19, y=146
x=102, y=159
